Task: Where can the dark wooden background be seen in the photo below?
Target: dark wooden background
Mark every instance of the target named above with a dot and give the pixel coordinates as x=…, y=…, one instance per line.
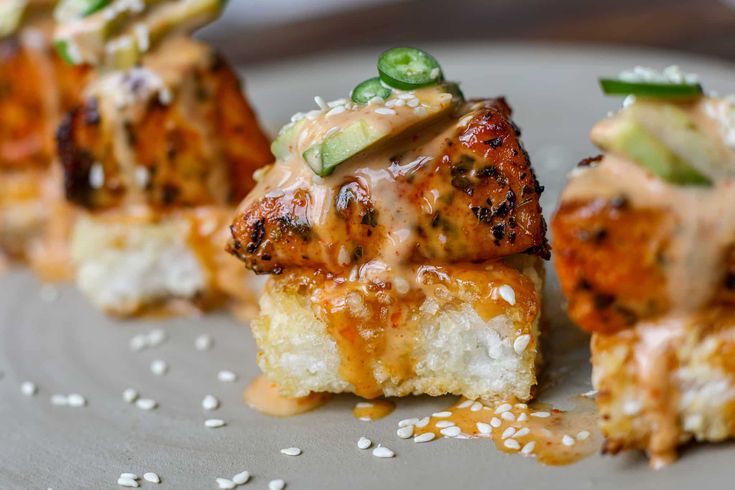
x=697, y=26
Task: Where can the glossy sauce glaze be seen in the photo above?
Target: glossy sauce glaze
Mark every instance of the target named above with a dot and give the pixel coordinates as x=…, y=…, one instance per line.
x=263, y=396
x=692, y=262
x=367, y=411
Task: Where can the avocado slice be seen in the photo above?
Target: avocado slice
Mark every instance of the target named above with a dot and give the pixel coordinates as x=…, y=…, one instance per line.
x=628, y=137
x=364, y=135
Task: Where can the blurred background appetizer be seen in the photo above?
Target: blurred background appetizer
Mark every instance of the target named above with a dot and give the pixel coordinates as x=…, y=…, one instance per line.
x=403, y=235
x=36, y=87
x=643, y=243
x=156, y=156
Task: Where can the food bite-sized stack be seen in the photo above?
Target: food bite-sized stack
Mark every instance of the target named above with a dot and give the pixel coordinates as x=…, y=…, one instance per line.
x=403, y=234
x=162, y=148
x=644, y=243
x=36, y=87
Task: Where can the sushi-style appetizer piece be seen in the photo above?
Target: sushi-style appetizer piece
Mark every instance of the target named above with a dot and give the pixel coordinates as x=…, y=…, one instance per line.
x=36, y=87
x=644, y=243
x=157, y=156
x=403, y=235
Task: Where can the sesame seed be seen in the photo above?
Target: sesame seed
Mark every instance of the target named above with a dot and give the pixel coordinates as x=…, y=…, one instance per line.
x=465, y=404
x=96, y=176
x=139, y=342
x=512, y=444
x=385, y=111
x=364, y=443
x=495, y=422
x=320, y=102
x=520, y=343
x=476, y=407
x=453, y=431
x=130, y=395
x=465, y=120
x=509, y=432
x=503, y=408
x=156, y=337
x=146, y=404
x=225, y=484
x=441, y=415
x=131, y=476
x=521, y=406
x=376, y=100
x=423, y=422
x=582, y=435
x=420, y=111
x=541, y=415
x=59, y=400
x=405, y=432
x=443, y=424
x=434, y=74
x=210, y=403
x=127, y=482
x=383, y=452
x=203, y=342
x=413, y=103
x=152, y=477
x=159, y=367
x=276, y=485
x=522, y=417
x=337, y=110
x=241, y=478
x=567, y=440
x=406, y=95
x=28, y=388
x=590, y=394
x=76, y=400
x=142, y=176
x=227, y=376
x=405, y=422
x=523, y=432
x=425, y=437
x=484, y=428
x=508, y=416
x=291, y=451
x=529, y=447
x=338, y=102
x=214, y=423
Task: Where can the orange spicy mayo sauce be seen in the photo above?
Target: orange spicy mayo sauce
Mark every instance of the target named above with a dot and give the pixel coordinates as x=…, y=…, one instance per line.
x=263, y=396
x=373, y=410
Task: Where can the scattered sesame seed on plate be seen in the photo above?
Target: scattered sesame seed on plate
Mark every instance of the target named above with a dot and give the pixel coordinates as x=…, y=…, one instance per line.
x=276, y=485
x=364, y=443
x=383, y=452
x=210, y=403
x=131, y=476
x=496, y=422
x=28, y=388
x=151, y=477
x=76, y=400
x=423, y=422
x=425, y=437
x=225, y=483
x=405, y=422
x=507, y=433
x=127, y=482
x=227, y=376
x=138, y=342
x=146, y=404
x=529, y=447
x=130, y=395
x=443, y=424
x=241, y=478
x=567, y=440
x=453, y=431
x=291, y=451
x=521, y=342
x=441, y=415
x=405, y=432
x=541, y=415
x=203, y=342
x=512, y=444
x=503, y=408
x=484, y=428
x=582, y=435
x=214, y=423
x=159, y=367
x=156, y=337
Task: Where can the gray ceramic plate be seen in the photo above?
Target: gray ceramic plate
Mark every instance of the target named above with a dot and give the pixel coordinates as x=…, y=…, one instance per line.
x=65, y=346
